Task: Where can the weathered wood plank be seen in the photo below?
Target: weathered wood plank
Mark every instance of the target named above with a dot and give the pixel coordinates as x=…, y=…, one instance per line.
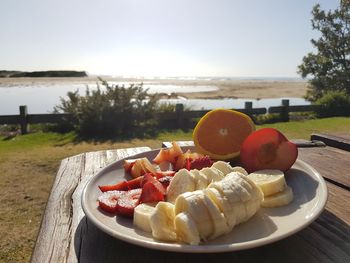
x=331, y=162
x=307, y=246
x=338, y=202
x=58, y=236
x=340, y=141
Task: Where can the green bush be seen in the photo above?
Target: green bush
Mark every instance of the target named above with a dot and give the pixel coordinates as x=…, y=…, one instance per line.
x=334, y=103
x=115, y=111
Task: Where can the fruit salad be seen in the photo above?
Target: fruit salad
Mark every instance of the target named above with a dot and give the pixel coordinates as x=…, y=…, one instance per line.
x=189, y=198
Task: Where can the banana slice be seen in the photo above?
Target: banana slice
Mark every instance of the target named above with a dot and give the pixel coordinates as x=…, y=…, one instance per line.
x=232, y=193
x=279, y=199
x=269, y=181
x=193, y=203
x=218, y=218
x=239, y=178
x=162, y=222
x=212, y=174
x=200, y=178
x=231, y=187
x=186, y=229
x=240, y=169
x=256, y=191
x=223, y=204
x=224, y=167
x=142, y=216
x=182, y=182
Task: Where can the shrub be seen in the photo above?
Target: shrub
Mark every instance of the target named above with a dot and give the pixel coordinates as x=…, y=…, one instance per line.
x=115, y=111
x=334, y=103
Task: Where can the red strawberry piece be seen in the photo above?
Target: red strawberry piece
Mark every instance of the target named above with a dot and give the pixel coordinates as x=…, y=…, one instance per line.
x=147, y=178
x=201, y=162
x=122, y=186
x=165, y=181
x=152, y=192
x=135, y=183
x=108, y=200
x=127, y=202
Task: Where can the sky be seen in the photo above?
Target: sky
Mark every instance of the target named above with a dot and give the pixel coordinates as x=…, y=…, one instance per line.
x=220, y=38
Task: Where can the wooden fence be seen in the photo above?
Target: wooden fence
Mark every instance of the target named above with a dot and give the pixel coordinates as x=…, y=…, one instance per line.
x=179, y=117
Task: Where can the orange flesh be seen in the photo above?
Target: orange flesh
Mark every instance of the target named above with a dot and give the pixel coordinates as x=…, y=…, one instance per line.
x=222, y=132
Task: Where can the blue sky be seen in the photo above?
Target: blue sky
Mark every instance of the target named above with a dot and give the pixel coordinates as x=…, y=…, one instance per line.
x=233, y=38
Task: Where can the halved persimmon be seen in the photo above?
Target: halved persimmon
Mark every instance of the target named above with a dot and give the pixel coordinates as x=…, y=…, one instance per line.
x=220, y=133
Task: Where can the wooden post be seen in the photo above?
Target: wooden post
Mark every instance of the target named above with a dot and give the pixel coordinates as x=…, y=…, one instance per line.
x=248, y=106
x=23, y=112
x=179, y=109
x=285, y=110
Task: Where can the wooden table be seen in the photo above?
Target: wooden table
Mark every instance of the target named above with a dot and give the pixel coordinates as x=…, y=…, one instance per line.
x=66, y=235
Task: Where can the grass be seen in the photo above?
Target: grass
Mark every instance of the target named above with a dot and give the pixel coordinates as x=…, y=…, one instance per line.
x=29, y=163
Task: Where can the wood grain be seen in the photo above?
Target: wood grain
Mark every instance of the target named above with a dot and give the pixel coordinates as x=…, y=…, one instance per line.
x=57, y=240
x=340, y=141
x=332, y=163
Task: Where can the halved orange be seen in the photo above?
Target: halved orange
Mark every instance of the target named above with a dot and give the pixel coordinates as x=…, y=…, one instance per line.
x=220, y=133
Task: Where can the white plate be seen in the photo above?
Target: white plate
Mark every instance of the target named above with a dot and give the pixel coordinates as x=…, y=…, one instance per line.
x=267, y=226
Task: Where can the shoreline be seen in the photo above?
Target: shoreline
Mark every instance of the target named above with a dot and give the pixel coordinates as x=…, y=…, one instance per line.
x=227, y=88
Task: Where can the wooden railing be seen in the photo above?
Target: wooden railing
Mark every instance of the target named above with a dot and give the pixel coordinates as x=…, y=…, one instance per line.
x=179, y=117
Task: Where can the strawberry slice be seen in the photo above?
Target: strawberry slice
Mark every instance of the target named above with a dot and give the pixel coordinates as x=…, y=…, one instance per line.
x=152, y=191
x=135, y=183
x=147, y=178
x=108, y=201
x=122, y=186
x=200, y=163
x=127, y=202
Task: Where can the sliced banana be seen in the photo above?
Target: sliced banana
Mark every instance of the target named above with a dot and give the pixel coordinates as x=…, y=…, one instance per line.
x=240, y=169
x=142, y=216
x=218, y=218
x=182, y=182
x=193, y=203
x=212, y=174
x=200, y=178
x=232, y=189
x=239, y=178
x=279, y=199
x=223, y=204
x=162, y=222
x=269, y=181
x=224, y=167
x=186, y=229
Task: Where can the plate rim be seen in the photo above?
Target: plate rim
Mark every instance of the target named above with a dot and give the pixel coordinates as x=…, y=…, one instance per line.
x=202, y=248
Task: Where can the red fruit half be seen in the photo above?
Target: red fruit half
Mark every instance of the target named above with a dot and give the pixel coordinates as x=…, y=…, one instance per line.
x=267, y=148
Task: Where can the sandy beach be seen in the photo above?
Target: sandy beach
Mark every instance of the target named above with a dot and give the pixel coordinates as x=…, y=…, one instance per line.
x=227, y=88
